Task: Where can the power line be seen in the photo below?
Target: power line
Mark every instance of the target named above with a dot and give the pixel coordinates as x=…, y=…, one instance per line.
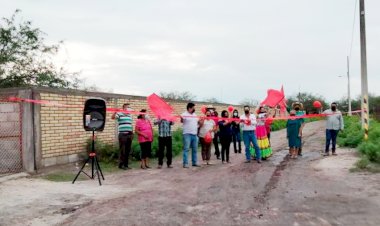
x=353, y=28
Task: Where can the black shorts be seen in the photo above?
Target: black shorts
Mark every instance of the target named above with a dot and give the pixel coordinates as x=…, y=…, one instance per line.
x=146, y=149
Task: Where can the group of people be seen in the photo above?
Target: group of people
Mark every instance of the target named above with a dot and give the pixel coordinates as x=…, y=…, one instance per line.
x=296, y=123
x=210, y=129
x=226, y=129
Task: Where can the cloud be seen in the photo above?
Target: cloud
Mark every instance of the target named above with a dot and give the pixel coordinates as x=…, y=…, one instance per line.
x=222, y=49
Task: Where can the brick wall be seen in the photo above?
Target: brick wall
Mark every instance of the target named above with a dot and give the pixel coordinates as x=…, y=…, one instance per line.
x=61, y=128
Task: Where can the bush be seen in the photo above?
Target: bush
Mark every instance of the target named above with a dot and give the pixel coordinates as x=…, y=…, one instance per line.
x=353, y=134
x=362, y=163
x=371, y=149
x=278, y=125
x=353, y=137
x=281, y=124
x=105, y=152
x=110, y=152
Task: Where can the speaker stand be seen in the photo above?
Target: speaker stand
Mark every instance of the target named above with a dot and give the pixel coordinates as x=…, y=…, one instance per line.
x=95, y=167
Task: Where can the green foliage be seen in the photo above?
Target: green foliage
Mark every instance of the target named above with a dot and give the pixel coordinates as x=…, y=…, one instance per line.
x=353, y=136
x=63, y=177
x=281, y=124
x=307, y=99
x=64, y=174
x=25, y=58
x=105, y=152
x=362, y=163
x=371, y=149
x=175, y=95
x=278, y=125
x=176, y=145
x=374, y=104
x=109, y=153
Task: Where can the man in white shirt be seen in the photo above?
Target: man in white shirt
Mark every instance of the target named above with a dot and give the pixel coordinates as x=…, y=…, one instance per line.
x=190, y=138
x=248, y=124
x=334, y=123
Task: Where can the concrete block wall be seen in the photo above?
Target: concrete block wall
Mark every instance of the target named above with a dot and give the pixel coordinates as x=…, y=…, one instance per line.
x=62, y=135
x=57, y=132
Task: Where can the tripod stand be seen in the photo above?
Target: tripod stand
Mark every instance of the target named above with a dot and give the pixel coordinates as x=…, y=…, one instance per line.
x=95, y=167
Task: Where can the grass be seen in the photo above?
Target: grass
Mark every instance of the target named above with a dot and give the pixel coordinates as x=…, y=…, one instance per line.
x=281, y=124
x=67, y=175
x=353, y=136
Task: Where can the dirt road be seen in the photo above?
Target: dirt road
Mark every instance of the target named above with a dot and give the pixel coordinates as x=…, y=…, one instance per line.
x=311, y=190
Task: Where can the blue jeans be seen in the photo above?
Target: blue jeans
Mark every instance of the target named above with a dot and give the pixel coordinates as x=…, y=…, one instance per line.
x=331, y=136
x=190, y=140
x=248, y=138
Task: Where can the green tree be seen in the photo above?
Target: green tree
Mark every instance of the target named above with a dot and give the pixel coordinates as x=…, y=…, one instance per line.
x=26, y=60
x=175, y=95
x=307, y=99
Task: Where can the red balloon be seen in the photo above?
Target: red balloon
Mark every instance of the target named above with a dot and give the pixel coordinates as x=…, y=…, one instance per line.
x=317, y=104
x=230, y=108
x=203, y=109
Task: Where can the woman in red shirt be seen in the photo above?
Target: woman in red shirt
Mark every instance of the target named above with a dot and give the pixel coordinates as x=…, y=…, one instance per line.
x=144, y=131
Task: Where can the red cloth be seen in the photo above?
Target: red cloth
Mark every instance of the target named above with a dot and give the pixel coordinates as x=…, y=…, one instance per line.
x=160, y=108
x=274, y=97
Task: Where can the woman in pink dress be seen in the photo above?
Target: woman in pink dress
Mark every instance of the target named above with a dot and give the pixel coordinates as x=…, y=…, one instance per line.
x=144, y=132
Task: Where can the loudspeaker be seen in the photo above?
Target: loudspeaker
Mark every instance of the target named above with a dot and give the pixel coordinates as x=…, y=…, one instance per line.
x=94, y=114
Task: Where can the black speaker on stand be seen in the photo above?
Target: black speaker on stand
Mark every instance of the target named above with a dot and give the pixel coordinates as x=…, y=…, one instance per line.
x=94, y=119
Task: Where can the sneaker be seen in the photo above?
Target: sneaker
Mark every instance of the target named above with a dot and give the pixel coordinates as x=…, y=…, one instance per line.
x=159, y=166
x=326, y=154
x=259, y=161
x=196, y=165
x=223, y=162
x=334, y=153
x=122, y=167
x=170, y=166
x=185, y=166
x=247, y=161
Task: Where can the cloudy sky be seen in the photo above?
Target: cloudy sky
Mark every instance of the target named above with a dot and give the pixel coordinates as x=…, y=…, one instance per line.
x=230, y=50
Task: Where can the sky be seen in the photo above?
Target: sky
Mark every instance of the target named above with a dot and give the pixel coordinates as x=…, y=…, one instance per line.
x=229, y=50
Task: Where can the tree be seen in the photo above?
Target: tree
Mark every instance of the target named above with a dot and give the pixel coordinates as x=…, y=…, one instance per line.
x=307, y=99
x=212, y=100
x=250, y=102
x=25, y=59
x=374, y=104
x=175, y=95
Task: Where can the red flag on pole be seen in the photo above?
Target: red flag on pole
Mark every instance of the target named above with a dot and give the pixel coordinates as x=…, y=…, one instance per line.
x=274, y=98
x=160, y=108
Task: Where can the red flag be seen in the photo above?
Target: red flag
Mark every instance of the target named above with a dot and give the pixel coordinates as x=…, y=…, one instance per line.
x=274, y=97
x=160, y=108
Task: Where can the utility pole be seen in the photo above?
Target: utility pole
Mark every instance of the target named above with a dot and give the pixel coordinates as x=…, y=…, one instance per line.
x=348, y=87
x=364, y=80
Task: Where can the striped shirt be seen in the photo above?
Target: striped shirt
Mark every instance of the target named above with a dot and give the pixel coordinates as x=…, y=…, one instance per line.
x=124, y=122
x=164, y=128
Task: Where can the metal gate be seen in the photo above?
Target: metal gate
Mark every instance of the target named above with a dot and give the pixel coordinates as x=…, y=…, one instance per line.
x=10, y=137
